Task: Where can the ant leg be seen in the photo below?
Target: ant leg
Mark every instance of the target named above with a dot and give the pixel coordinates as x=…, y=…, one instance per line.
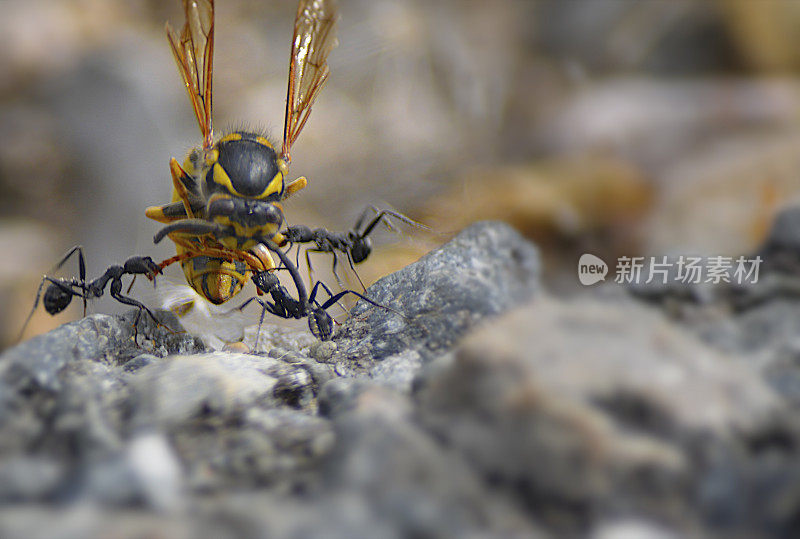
x=383, y=215
x=82, y=275
x=308, y=265
x=333, y=267
x=35, y=304
x=116, y=292
x=319, y=321
x=353, y=267
x=266, y=306
x=63, y=290
x=297, y=257
x=81, y=269
x=312, y=297
x=364, y=215
x=336, y=297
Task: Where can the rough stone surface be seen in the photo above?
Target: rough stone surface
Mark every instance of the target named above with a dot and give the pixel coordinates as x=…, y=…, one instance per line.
x=755, y=320
x=485, y=270
x=603, y=416
x=576, y=422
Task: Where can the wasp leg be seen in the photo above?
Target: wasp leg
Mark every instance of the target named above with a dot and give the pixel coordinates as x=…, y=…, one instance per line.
x=194, y=227
x=167, y=213
x=184, y=184
x=256, y=261
x=189, y=202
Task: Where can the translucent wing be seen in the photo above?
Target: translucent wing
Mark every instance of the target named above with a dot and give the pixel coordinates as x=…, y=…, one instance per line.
x=314, y=39
x=194, y=53
x=216, y=325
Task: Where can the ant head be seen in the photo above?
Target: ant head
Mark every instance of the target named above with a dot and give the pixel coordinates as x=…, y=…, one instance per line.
x=265, y=280
x=141, y=265
x=56, y=298
x=361, y=249
x=320, y=323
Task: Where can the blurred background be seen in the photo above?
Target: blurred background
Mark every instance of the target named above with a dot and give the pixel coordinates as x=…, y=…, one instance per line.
x=612, y=127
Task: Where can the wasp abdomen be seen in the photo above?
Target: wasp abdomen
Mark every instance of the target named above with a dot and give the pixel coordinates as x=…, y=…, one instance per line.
x=215, y=279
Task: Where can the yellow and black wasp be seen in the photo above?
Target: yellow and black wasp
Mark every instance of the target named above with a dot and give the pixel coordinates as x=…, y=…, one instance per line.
x=225, y=215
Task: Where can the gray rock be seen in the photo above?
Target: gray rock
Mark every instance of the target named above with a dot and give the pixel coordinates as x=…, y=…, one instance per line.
x=576, y=421
x=39, y=360
x=26, y=478
x=145, y=474
x=259, y=448
x=387, y=469
x=98, y=337
x=485, y=270
x=631, y=528
x=781, y=249
x=596, y=417
x=340, y=395
x=173, y=392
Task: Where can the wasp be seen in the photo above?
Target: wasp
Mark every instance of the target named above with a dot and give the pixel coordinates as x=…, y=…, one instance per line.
x=225, y=214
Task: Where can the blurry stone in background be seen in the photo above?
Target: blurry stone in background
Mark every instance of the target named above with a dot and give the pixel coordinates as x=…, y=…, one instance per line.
x=687, y=111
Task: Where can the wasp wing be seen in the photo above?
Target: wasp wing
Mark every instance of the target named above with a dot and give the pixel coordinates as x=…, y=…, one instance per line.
x=216, y=325
x=314, y=39
x=194, y=54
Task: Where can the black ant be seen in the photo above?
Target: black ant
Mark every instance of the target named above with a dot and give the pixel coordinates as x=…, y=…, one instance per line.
x=355, y=243
x=60, y=292
x=285, y=306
